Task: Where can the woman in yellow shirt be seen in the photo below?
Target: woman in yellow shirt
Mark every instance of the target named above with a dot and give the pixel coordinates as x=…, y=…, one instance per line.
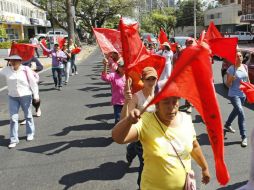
x=158, y=132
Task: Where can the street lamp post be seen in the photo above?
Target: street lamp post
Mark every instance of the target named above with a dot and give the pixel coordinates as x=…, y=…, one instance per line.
x=52, y=22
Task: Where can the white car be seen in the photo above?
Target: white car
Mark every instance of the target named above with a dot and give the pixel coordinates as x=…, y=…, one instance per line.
x=51, y=34
x=242, y=36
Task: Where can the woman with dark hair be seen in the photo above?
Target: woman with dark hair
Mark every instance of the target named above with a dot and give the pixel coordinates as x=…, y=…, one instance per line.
x=117, y=81
x=235, y=74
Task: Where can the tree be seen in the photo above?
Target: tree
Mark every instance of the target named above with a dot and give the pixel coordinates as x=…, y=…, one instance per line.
x=185, y=13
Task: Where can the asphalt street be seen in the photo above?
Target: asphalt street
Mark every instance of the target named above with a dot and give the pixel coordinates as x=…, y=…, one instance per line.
x=73, y=148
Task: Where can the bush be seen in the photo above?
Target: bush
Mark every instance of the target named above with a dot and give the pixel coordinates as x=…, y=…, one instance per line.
x=25, y=41
x=5, y=45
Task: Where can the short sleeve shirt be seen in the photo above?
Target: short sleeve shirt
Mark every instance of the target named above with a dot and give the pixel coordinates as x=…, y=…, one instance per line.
x=162, y=168
x=241, y=75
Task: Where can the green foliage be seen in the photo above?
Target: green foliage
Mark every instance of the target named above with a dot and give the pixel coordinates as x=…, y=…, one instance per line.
x=152, y=22
x=25, y=41
x=185, y=13
x=5, y=45
x=3, y=32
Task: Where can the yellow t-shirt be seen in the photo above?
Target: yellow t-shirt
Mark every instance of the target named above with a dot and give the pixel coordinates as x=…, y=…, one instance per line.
x=162, y=168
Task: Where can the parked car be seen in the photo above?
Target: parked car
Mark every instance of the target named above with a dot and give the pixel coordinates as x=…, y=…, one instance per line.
x=56, y=33
x=246, y=54
x=179, y=39
x=242, y=36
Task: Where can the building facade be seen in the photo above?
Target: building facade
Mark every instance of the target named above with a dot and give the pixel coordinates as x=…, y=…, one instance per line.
x=248, y=13
x=226, y=17
x=21, y=19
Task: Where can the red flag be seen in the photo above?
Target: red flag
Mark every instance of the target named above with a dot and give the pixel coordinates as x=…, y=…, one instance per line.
x=76, y=50
x=149, y=39
x=44, y=43
x=134, y=50
x=224, y=47
x=25, y=51
x=61, y=42
x=155, y=61
x=109, y=40
x=163, y=37
x=212, y=32
x=194, y=69
x=248, y=90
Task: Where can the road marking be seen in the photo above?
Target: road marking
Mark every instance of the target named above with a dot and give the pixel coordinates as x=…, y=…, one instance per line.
x=5, y=87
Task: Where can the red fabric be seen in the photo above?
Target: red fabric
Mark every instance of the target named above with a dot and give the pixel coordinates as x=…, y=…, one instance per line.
x=25, y=51
x=212, y=32
x=155, y=61
x=134, y=50
x=192, y=79
x=44, y=43
x=109, y=40
x=149, y=39
x=76, y=50
x=163, y=37
x=248, y=90
x=224, y=47
x=61, y=42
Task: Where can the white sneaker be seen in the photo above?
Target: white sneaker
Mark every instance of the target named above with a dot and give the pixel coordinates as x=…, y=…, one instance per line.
x=23, y=122
x=30, y=137
x=12, y=145
x=76, y=73
x=38, y=113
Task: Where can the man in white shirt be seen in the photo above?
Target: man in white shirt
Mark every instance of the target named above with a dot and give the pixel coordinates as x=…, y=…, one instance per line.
x=34, y=41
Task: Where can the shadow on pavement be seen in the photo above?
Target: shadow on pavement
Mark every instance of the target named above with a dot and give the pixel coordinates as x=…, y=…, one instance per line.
x=58, y=147
x=102, y=95
x=234, y=186
x=232, y=143
x=94, y=126
x=203, y=139
x=107, y=171
x=101, y=117
x=4, y=122
x=46, y=89
x=3, y=141
x=98, y=105
x=46, y=83
x=94, y=89
x=220, y=89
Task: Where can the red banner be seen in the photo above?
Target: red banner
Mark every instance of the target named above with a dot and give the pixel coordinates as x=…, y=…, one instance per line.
x=25, y=51
x=109, y=40
x=193, y=69
x=248, y=90
x=61, y=42
x=44, y=43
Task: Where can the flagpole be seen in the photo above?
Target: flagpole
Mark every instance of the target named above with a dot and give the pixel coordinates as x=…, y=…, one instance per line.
x=195, y=21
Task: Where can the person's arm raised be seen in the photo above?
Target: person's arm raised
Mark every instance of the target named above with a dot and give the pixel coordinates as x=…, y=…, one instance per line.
x=124, y=131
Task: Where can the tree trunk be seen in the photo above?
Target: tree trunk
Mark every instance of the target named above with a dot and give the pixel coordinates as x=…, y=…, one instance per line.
x=70, y=21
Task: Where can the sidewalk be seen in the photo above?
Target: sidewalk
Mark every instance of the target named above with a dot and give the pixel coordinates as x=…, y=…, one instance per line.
x=46, y=61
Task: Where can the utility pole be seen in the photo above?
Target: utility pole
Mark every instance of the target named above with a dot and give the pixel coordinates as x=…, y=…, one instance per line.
x=52, y=21
x=195, y=20
x=70, y=20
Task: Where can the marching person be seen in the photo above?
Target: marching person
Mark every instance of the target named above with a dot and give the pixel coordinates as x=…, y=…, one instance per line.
x=139, y=101
x=72, y=46
x=235, y=74
x=67, y=63
x=58, y=56
x=169, y=142
x=35, y=42
x=117, y=81
x=21, y=86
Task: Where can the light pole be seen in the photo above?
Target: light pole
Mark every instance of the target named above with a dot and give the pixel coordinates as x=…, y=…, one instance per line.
x=52, y=22
x=195, y=20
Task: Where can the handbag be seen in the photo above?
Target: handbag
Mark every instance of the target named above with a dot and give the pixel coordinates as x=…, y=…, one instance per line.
x=190, y=181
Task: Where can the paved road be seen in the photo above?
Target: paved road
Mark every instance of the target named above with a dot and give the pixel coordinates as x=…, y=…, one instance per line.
x=73, y=149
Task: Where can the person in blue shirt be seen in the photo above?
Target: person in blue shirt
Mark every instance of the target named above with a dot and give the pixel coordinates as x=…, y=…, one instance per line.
x=235, y=74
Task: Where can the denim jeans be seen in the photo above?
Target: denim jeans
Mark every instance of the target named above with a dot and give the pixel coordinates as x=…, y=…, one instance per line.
x=73, y=65
x=237, y=103
x=135, y=149
x=117, y=112
x=25, y=102
x=57, y=76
